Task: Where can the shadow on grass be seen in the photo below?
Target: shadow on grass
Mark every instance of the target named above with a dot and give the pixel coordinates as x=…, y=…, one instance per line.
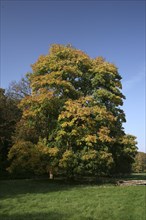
x=13, y=188
x=35, y=216
x=41, y=216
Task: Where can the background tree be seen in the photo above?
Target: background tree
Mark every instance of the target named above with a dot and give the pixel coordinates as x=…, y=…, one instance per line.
x=140, y=163
x=75, y=107
x=18, y=90
x=9, y=116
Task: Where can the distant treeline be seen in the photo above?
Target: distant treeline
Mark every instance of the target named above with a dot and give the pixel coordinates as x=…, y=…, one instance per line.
x=140, y=163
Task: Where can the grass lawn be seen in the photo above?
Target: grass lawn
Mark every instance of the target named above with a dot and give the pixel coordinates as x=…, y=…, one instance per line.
x=45, y=200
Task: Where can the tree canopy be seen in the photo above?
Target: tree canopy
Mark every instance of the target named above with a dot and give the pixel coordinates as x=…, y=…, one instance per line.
x=72, y=120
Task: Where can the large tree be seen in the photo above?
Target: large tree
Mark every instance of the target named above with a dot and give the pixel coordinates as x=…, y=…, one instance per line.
x=73, y=115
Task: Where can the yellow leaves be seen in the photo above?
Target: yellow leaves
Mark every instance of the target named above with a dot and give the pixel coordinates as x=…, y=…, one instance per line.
x=74, y=132
x=53, y=151
x=129, y=141
x=40, y=64
x=103, y=134
x=29, y=113
x=42, y=97
x=89, y=155
x=68, y=124
x=45, y=150
x=67, y=158
x=65, y=124
x=23, y=155
x=33, y=105
x=64, y=115
x=61, y=133
x=106, y=158
x=102, y=114
x=90, y=140
x=106, y=67
x=98, y=60
x=67, y=154
x=82, y=122
x=38, y=98
x=68, y=49
x=25, y=102
x=71, y=72
x=78, y=107
x=52, y=82
x=55, y=48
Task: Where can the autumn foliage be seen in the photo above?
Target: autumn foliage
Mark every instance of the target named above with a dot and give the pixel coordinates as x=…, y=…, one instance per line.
x=72, y=121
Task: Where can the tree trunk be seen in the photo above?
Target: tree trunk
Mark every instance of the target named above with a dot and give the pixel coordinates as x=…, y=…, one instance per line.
x=51, y=175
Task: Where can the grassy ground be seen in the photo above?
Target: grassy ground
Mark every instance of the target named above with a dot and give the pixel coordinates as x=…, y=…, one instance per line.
x=45, y=200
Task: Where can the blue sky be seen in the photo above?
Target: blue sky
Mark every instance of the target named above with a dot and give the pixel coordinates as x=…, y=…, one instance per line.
x=112, y=29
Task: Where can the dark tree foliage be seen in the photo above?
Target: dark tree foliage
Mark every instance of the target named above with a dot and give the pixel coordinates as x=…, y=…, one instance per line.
x=9, y=116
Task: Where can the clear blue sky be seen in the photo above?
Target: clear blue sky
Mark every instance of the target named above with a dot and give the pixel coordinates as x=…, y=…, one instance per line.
x=112, y=29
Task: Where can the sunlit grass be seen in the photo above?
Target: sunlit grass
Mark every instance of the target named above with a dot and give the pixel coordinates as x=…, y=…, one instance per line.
x=45, y=200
